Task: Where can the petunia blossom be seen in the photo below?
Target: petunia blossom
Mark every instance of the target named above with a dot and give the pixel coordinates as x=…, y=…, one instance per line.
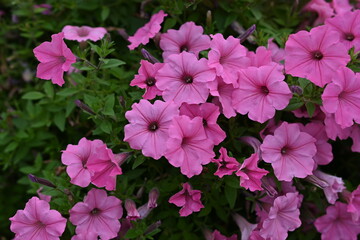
x=83, y=33
x=290, y=152
x=315, y=55
x=189, y=38
x=183, y=78
x=216, y=235
x=148, y=31
x=261, y=57
x=99, y=213
x=86, y=236
x=334, y=130
x=355, y=136
x=245, y=227
x=55, y=58
x=354, y=204
x=226, y=165
x=322, y=8
x=188, y=199
x=261, y=91
x=341, y=7
x=37, y=221
x=277, y=53
x=148, y=127
x=335, y=185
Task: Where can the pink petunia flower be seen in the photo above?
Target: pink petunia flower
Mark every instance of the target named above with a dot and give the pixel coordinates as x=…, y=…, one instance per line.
x=261, y=57
x=83, y=33
x=342, y=97
x=290, y=152
x=250, y=174
x=99, y=213
x=148, y=31
x=86, y=236
x=227, y=56
x=132, y=212
x=226, y=165
x=355, y=136
x=183, y=79
x=283, y=217
x=261, y=91
x=55, y=58
x=322, y=8
x=216, y=235
x=245, y=227
x=341, y=6
x=277, y=54
x=188, y=199
x=209, y=113
x=335, y=185
x=354, y=204
x=188, y=146
x=337, y=224
x=189, y=38
x=334, y=130
x=146, y=79
x=315, y=55
x=42, y=196
x=149, y=124
x=37, y=221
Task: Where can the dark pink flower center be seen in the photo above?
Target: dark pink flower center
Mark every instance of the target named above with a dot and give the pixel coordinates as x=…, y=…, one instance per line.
x=62, y=59
x=184, y=48
x=39, y=224
x=204, y=122
x=82, y=32
x=153, y=126
x=349, y=36
x=317, y=55
x=187, y=79
x=150, y=81
x=95, y=211
x=265, y=90
x=284, y=150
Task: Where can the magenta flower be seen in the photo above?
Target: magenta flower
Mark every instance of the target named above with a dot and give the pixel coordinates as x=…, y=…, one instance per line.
x=334, y=130
x=132, y=212
x=341, y=6
x=183, y=78
x=86, y=236
x=83, y=33
x=188, y=146
x=55, y=58
x=188, y=199
x=42, y=196
x=226, y=165
x=322, y=8
x=189, y=38
x=283, y=217
x=250, y=174
x=99, y=213
x=315, y=55
x=290, y=152
x=146, y=79
x=277, y=54
x=261, y=57
x=227, y=57
x=148, y=128
x=335, y=185
x=337, y=224
x=148, y=31
x=37, y=221
x=209, y=113
x=261, y=91
x=216, y=235
x=355, y=136
x=245, y=227
x=342, y=97
x=354, y=204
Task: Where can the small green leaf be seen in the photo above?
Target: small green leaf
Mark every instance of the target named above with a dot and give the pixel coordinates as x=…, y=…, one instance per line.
x=105, y=13
x=138, y=161
x=33, y=95
x=106, y=127
x=110, y=63
x=59, y=120
x=231, y=195
x=49, y=89
x=109, y=105
x=294, y=104
x=67, y=92
x=310, y=107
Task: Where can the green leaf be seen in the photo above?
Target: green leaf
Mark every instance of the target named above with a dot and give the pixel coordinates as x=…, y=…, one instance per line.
x=133, y=233
x=105, y=13
x=110, y=63
x=138, y=161
x=106, y=127
x=67, y=92
x=294, y=104
x=49, y=89
x=310, y=107
x=33, y=95
x=59, y=120
x=12, y=146
x=231, y=195
x=109, y=105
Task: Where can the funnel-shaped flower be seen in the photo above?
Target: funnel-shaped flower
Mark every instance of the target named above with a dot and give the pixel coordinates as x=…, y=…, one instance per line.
x=83, y=33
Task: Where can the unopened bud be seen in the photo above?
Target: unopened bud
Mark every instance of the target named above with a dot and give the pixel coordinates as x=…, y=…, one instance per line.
x=247, y=33
x=42, y=181
x=148, y=56
x=296, y=89
x=84, y=107
x=153, y=197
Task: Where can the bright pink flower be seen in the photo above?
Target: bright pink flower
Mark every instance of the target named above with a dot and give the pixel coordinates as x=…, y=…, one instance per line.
x=189, y=38
x=86, y=236
x=188, y=146
x=55, y=58
x=42, y=196
x=188, y=199
x=83, y=33
x=226, y=165
x=348, y=26
x=335, y=185
x=149, y=30
x=341, y=6
x=337, y=224
x=132, y=212
x=261, y=57
x=245, y=227
x=334, y=130
x=76, y=158
x=342, y=97
x=290, y=152
x=146, y=79
x=183, y=78
x=227, y=56
x=283, y=217
x=354, y=204
x=148, y=128
x=37, y=221
x=99, y=213
x=209, y=113
x=315, y=55
x=261, y=91
x=322, y=8
x=355, y=136
x=277, y=54
x=216, y=235
x=250, y=174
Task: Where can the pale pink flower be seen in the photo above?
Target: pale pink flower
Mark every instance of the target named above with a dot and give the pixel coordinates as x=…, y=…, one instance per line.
x=188, y=146
x=183, y=78
x=188, y=199
x=261, y=57
x=337, y=224
x=354, y=204
x=342, y=97
x=261, y=91
x=315, y=55
x=146, y=79
x=341, y=6
x=334, y=130
x=322, y=8
x=42, y=196
x=83, y=33
x=290, y=152
x=245, y=227
x=227, y=56
x=216, y=235
x=283, y=217
x=148, y=128
x=55, y=58
x=277, y=54
x=148, y=31
x=209, y=113
x=37, y=221
x=86, y=236
x=335, y=185
x=132, y=212
x=189, y=38
x=303, y=113
x=226, y=165
x=355, y=136
x=99, y=213
x=250, y=174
